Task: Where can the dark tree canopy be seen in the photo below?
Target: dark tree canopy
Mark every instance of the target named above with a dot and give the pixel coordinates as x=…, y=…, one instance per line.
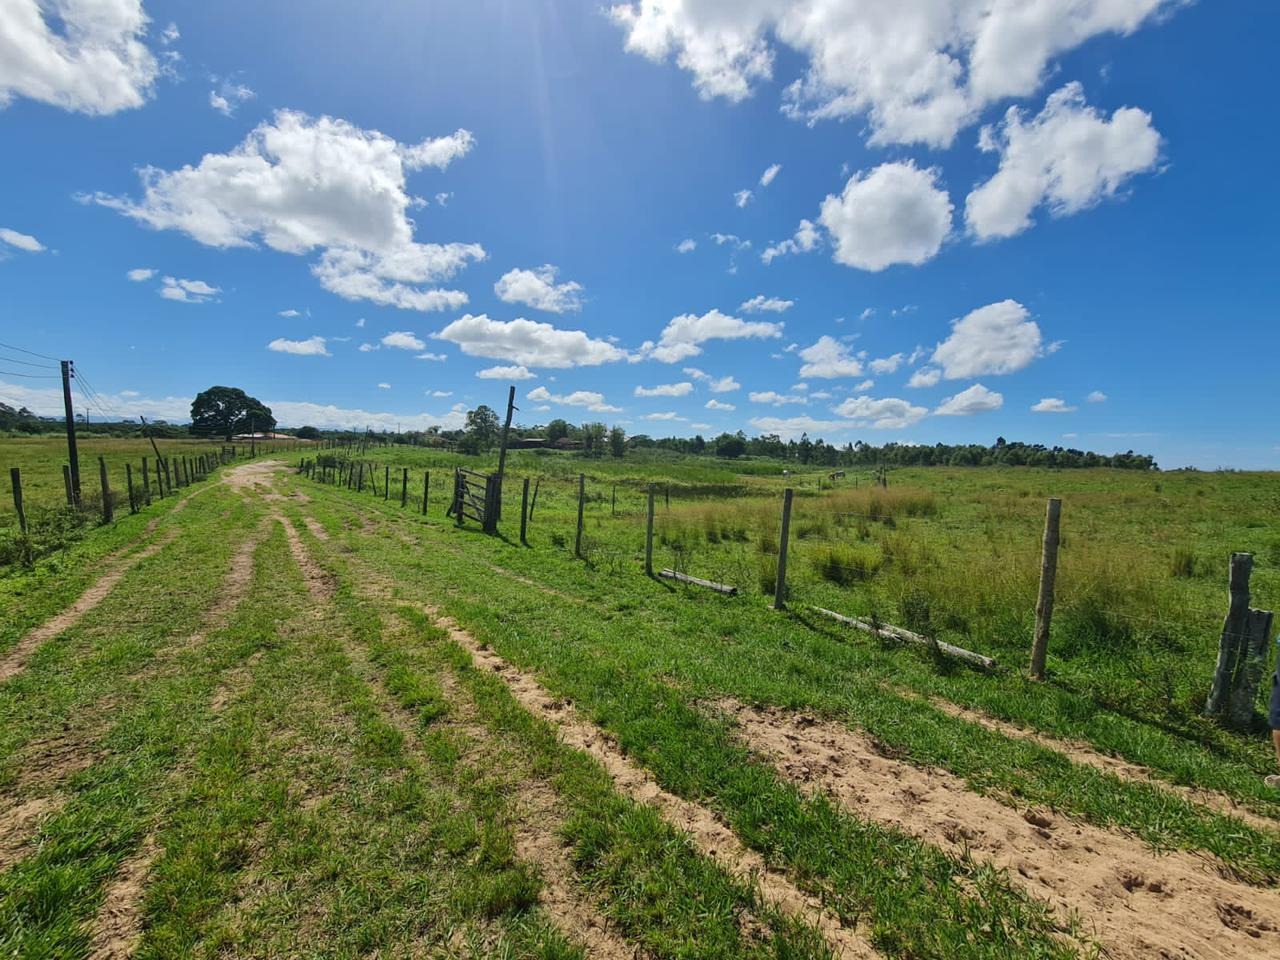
x=557, y=430
x=225, y=411
x=307, y=433
x=482, y=427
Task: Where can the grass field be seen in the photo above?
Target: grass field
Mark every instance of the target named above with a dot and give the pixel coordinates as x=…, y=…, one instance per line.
x=309, y=721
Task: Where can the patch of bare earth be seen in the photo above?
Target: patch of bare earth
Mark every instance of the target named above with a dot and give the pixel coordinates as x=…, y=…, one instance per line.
x=1135, y=773
x=20, y=822
x=713, y=838
x=15, y=661
x=117, y=928
x=317, y=529
x=1135, y=902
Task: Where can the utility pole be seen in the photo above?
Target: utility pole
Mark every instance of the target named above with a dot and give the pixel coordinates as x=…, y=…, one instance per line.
x=73, y=455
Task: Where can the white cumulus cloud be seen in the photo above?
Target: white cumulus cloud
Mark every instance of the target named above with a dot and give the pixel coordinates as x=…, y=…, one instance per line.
x=775, y=399
x=506, y=373
x=1097, y=396
x=977, y=399
x=889, y=413
x=770, y=172
x=1052, y=405
x=228, y=96
x=579, y=398
x=187, y=291
x=828, y=359
x=86, y=56
x=762, y=304
x=893, y=214
x=529, y=343
x=687, y=245
x=311, y=347
x=918, y=71
x=403, y=340
x=299, y=184
x=140, y=274
x=996, y=339
x=1067, y=158
x=742, y=198
x=537, y=288
x=714, y=404
x=683, y=336
x=806, y=238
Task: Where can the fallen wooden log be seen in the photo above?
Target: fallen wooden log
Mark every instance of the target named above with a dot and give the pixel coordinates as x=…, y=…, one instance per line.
x=890, y=632
x=696, y=581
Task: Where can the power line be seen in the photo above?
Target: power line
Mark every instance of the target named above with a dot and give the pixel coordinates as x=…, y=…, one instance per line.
x=28, y=363
x=30, y=353
x=30, y=376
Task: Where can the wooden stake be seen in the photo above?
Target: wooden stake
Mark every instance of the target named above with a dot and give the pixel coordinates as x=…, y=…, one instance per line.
x=524, y=513
x=66, y=482
x=404, y=489
x=128, y=479
x=426, y=490
x=1231, y=647
x=648, y=536
x=897, y=633
x=780, y=582
x=15, y=479
x=1044, y=603
x=582, y=491
x=146, y=483
x=386, y=482
x=108, y=509
x=709, y=584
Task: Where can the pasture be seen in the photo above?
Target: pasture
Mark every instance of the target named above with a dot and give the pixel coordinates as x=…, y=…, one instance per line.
x=303, y=719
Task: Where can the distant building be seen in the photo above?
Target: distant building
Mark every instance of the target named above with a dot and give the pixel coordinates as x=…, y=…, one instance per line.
x=247, y=437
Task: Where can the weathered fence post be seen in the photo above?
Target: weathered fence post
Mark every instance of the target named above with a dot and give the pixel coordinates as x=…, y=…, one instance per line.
x=613, y=502
x=386, y=482
x=168, y=477
x=66, y=482
x=780, y=581
x=1044, y=603
x=537, y=485
x=146, y=483
x=426, y=490
x=582, y=492
x=668, y=495
x=404, y=489
x=15, y=478
x=360, y=482
x=457, y=495
x=128, y=479
x=524, y=513
x=648, y=536
x=108, y=509
x=1242, y=651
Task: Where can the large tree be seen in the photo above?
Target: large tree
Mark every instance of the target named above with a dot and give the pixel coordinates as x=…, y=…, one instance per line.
x=482, y=427
x=225, y=411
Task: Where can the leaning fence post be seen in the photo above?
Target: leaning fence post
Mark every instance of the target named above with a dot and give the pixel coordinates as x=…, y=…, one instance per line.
x=426, y=490
x=66, y=482
x=582, y=491
x=648, y=536
x=108, y=511
x=1044, y=603
x=780, y=581
x=146, y=483
x=524, y=513
x=15, y=478
x=128, y=479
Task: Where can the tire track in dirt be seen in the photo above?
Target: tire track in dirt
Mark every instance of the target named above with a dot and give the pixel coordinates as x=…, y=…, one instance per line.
x=536, y=840
x=1136, y=902
x=118, y=926
x=15, y=661
x=708, y=834
x=20, y=822
x=1085, y=754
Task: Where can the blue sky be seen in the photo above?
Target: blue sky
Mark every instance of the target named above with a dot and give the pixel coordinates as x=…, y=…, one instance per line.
x=1055, y=226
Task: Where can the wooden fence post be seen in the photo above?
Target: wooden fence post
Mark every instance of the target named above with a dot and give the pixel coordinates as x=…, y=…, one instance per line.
x=457, y=495
x=15, y=478
x=66, y=482
x=128, y=479
x=404, y=489
x=386, y=482
x=780, y=581
x=1234, y=633
x=426, y=490
x=582, y=491
x=533, y=504
x=524, y=513
x=613, y=502
x=108, y=509
x=146, y=483
x=648, y=536
x=1044, y=603
x=360, y=482
x=668, y=496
